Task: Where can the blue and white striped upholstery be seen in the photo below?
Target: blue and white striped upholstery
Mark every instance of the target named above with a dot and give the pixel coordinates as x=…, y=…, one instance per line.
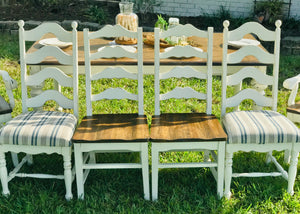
x=259, y=127
x=40, y=128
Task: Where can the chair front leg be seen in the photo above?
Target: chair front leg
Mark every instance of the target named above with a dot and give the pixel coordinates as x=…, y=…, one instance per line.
x=79, y=170
x=228, y=174
x=68, y=173
x=221, y=158
x=292, y=172
x=3, y=174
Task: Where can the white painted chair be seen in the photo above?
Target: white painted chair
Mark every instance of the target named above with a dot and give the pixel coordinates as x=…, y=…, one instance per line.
x=36, y=132
x=6, y=108
x=257, y=130
x=186, y=131
x=110, y=133
x=293, y=109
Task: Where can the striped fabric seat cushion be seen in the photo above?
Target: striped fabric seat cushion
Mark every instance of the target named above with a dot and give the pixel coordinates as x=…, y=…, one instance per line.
x=259, y=127
x=40, y=128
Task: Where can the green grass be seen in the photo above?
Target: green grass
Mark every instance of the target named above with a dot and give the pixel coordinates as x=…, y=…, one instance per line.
x=120, y=191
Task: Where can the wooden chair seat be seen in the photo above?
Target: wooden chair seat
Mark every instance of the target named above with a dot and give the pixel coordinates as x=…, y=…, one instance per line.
x=186, y=127
x=5, y=108
x=295, y=109
x=112, y=128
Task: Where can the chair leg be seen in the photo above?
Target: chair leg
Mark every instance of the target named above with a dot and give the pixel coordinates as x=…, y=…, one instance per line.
x=3, y=174
x=68, y=173
x=228, y=174
x=145, y=170
x=155, y=162
x=79, y=171
x=221, y=158
x=292, y=172
x=92, y=157
x=206, y=155
x=30, y=160
x=14, y=157
x=268, y=157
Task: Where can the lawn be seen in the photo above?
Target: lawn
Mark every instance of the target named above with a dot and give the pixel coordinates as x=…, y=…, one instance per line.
x=120, y=191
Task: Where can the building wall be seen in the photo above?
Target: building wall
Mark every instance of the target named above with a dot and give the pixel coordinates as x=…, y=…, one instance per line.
x=295, y=9
x=237, y=8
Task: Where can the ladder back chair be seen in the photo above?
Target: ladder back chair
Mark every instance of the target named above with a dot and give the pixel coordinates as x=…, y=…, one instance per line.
x=112, y=132
x=261, y=131
x=293, y=109
x=6, y=108
x=175, y=132
x=40, y=131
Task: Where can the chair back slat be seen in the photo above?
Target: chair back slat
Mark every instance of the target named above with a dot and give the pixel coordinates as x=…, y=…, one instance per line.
x=248, y=93
x=49, y=51
x=113, y=52
x=183, y=51
x=261, y=55
x=54, y=73
x=45, y=96
x=114, y=93
x=114, y=72
x=50, y=73
x=118, y=72
x=185, y=92
x=183, y=71
x=248, y=71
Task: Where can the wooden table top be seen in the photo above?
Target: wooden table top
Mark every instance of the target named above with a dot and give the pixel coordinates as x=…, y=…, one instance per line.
x=148, y=53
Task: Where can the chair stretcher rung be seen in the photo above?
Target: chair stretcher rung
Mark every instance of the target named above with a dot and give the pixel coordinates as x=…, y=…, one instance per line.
x=283, y=173
x=186, y=165
x=25, y=175
x=256, y=174
x=112, y=166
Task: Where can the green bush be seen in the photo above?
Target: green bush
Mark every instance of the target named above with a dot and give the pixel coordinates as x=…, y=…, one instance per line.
x=97, y=14
x=269, y=11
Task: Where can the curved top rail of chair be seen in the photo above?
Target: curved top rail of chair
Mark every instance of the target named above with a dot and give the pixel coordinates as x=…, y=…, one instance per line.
x=252, y=27
x=187, y=30
x=111, y=31
x=48, y=27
